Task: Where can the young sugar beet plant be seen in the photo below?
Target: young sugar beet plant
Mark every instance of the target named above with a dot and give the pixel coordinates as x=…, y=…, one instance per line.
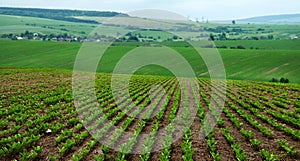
x=248, y=134
x=33, y=154
x=16, y=147
x=249, y=118
x=239, y=152
x=187, y=146
x=211, y=142
x=149, y=142
x=167, y=139
x=66, y=147
x=269, y=156
x=294, y=133
x=240, y=155
x=250, y=137
x=151, y=139
x=126, y=148
x=187, y=138
x=115, y=120
x=64, y=135
x=289, y=149
x=77, y=156
x=175, y=105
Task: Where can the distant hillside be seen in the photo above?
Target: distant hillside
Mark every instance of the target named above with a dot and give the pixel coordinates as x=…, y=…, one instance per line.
x=273, y=19
x=57, y=14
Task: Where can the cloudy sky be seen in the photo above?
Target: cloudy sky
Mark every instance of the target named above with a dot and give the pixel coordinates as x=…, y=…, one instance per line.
x=209, y=9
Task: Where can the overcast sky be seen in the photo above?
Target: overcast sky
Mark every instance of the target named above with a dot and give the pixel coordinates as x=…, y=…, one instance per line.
x=209, y=9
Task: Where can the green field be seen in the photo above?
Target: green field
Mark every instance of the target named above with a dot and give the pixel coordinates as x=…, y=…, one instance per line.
x=19, y=24
x=279, y=31
x=262, y=44
x=259, y=65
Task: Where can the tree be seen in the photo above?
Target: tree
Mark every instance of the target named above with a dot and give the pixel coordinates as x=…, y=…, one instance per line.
x=233, y=22
x=273, y=80
x=51, y=36
x=211, y=37
x=128, y=34
x=65, y=35
x=270, y=37
x=133, y=39
x=241, y=47
x=284, y=80
x=223, y=36
x=26, y=33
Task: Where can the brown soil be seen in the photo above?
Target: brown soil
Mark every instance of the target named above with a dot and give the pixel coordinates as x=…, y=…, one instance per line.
x=20, y=84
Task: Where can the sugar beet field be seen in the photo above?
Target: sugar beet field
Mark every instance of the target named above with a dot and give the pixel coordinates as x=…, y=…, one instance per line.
x=39, y=121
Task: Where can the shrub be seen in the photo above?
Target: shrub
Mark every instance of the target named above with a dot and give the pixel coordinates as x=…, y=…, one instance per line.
x=273, y=80
x=222, y=47
x=240, y=47
x=282, y=80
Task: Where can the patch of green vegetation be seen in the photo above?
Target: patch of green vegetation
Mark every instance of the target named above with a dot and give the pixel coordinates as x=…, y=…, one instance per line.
x=19, y=24
x=258, y=65
x=159, y=35
x=38, y=54
x=261, y=44
x=261, y=65
x=251, y=31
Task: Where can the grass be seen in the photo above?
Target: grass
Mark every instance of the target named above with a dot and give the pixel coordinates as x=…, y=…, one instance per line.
x=38, y=54
x=19, y=24
x=262, y=44
x=257, y=30
x=155, y=34
x=258, y=65
x=261, y=65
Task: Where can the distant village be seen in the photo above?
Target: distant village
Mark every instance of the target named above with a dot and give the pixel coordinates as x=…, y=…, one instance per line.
x=43, y=37
x=129, y=37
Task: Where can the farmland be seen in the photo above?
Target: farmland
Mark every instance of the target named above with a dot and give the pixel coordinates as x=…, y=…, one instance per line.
x=110, y=27
x=264, y=64
x=16, y=25
x=259, y=120
x=75, y=86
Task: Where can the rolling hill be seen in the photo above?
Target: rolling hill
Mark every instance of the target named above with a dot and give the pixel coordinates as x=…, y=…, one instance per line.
x=273, y=19
x=57, y=14
x=258, y=65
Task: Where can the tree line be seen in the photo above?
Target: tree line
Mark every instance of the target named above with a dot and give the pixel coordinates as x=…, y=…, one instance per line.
x=57, y=14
